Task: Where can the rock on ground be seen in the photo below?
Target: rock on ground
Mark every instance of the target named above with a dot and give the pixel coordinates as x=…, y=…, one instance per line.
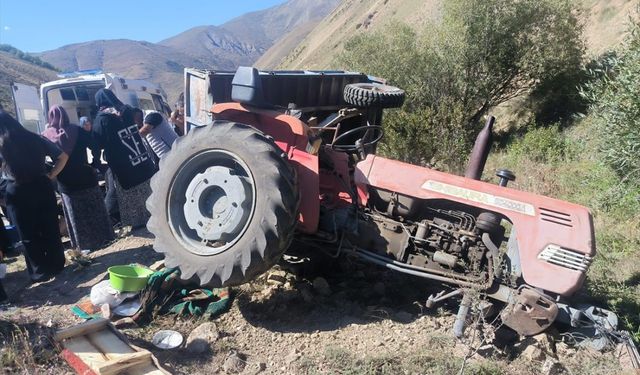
x=202, y=337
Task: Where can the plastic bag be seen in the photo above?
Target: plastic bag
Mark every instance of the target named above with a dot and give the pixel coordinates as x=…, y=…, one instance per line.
x=102, y=293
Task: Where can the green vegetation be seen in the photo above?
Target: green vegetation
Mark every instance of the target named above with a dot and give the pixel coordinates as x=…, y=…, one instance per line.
x=616, y=109
x=25, y=56
x=480, y=54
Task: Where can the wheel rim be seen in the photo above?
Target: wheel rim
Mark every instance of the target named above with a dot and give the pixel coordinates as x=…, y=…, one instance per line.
x=211, y=202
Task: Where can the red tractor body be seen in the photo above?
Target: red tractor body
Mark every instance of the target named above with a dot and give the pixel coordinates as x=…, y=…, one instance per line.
x=282, y=157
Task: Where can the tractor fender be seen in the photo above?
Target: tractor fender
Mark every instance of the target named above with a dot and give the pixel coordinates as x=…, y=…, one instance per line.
x=556, y=238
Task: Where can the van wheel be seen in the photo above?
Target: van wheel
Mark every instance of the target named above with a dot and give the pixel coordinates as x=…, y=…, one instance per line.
x=224, y=204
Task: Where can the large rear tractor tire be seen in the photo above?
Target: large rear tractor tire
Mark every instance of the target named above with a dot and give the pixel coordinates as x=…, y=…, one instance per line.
x=224, y=204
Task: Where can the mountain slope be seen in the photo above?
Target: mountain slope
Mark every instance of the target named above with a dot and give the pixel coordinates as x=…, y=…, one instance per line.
x=244, y=39
x=605, y=23
x=13, y=69
x=351, y=17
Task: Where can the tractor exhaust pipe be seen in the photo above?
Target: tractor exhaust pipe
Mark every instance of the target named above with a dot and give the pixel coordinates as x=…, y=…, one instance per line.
x=480, y=151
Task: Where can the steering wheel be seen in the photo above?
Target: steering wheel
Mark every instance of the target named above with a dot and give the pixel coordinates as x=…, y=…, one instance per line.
x=358, y=146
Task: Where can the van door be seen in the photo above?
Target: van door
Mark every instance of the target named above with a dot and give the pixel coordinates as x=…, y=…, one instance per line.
x=197, y=98
x=28, y=109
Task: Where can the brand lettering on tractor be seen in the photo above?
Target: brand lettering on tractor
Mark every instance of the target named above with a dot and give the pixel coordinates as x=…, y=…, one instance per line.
x=479, y=197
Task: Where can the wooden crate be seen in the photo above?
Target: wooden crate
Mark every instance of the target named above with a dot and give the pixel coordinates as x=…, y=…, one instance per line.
x=97, y=348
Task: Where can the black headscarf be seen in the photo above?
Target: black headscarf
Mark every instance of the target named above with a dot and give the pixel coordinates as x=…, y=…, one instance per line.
x=22, y=151
x=105, y=98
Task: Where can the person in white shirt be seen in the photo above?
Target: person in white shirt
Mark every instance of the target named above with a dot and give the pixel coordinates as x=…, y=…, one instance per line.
x=159, y=133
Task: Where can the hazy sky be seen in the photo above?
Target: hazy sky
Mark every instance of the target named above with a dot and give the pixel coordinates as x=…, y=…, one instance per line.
x=40, y=25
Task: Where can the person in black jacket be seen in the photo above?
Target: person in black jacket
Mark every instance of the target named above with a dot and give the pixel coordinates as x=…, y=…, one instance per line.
x=84, y=208
x=130, y=163
x=31, y=200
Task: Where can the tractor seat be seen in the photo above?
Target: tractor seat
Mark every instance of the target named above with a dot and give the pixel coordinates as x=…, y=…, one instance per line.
x=246, y=87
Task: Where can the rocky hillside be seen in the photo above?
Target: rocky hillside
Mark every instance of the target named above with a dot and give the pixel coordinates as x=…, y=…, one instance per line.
x=13, y=69
x=136, y=59
x=244, y=39
x=604, y=21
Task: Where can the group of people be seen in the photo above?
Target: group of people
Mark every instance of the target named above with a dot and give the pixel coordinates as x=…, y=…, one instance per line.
x=132, y=145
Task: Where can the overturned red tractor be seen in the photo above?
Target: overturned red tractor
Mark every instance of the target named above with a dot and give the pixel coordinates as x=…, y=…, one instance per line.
x=276, y=157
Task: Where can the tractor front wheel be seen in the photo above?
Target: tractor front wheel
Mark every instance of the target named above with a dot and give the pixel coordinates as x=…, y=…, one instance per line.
x=224, y=204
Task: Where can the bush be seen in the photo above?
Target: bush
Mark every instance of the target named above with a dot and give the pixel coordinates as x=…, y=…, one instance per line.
x=541, y=145
x=479, y=54
x=25, y=56
x=615, y=99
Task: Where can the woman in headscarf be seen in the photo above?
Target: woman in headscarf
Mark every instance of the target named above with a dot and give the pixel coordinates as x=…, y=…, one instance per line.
x=130, y=163
x=83, y=203
x=31, y=200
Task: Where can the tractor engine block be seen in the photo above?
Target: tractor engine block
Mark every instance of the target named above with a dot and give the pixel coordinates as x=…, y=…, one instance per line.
x=445, y=241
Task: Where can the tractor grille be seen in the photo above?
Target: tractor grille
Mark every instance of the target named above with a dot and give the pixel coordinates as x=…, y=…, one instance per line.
x=555, y=217
x=566, y=258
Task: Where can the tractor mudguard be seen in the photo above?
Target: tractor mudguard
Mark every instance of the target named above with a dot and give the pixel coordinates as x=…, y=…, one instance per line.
x=556, y=238
x=290, y=134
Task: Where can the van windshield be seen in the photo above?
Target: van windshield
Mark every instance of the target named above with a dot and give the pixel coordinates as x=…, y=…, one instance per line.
x=77, y=99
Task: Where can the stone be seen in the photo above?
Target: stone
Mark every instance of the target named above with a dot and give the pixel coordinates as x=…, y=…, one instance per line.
x=202, y=337
x=533, y=353
x=321, y=286
x=234, y=363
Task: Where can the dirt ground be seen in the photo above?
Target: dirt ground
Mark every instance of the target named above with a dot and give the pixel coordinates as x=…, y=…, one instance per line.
x=363, y=320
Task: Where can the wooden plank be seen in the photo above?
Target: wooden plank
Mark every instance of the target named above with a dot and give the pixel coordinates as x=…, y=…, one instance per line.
x=81, y=329
x=84, y=350
x=110, y=344
x=123, y=363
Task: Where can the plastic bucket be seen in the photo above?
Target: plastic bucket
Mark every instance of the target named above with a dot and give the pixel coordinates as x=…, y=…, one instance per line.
x=129, y=278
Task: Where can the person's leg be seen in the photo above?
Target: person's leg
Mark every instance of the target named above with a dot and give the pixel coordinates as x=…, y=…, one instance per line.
x=49, y=229
x=24, y=212
x=3, y=294
x=5, y=242
x=111, y=198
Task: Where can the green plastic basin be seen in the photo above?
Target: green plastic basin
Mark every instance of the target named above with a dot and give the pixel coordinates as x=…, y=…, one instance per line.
x=129, y=278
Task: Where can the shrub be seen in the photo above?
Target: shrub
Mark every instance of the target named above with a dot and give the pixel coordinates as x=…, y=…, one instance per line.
x=615, y=99
x=541, y=145
x=479, y=54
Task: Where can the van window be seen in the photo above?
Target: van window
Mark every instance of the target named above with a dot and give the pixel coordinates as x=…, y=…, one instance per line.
x=82, y=93
x=157, y=101
x=145, y=104
x=67, y=94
